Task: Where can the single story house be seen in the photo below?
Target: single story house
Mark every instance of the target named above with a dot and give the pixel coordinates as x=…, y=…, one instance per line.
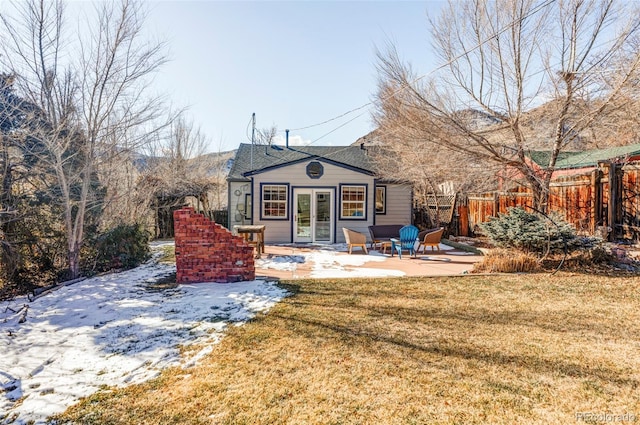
x=306, y=194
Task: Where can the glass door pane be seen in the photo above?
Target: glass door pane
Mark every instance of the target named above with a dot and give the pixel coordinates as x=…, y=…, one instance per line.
x=323, y=217
x=303, y=216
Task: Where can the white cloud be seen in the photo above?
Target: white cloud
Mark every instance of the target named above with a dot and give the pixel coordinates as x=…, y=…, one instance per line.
x=293, y=140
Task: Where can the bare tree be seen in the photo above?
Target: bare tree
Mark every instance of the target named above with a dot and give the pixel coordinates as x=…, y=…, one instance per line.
x=173, y=157
x=179, y=170
x=124, y=202
x=87, y=96
x=219, y=165
x=265, y=135
x=501, y=60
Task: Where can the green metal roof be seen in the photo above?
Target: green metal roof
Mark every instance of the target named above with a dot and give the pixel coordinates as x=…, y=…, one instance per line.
x=251, y=159
x=541, y=158
x=584, y=159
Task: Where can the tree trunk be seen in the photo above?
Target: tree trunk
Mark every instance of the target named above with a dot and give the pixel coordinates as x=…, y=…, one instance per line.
x=74, y=262
x=540, y=191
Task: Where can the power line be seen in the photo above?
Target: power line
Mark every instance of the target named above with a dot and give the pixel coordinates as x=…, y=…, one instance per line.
x=332, y=119
x=400, y=89
x=338, y=127
x=404, y=87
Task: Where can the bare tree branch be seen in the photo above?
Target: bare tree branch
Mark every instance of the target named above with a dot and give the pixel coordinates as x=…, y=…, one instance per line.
x=88, y=102
x=570, y=62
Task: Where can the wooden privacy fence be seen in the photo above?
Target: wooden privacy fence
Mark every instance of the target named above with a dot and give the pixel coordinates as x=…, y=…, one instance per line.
x=607, y=197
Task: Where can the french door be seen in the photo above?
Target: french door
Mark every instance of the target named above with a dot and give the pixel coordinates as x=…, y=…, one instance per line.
x=313, y=215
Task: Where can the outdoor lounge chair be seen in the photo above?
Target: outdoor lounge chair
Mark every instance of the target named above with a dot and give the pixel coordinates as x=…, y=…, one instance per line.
x=430, y=238
x=354, y=238
x=407, y=241
x=381, y=234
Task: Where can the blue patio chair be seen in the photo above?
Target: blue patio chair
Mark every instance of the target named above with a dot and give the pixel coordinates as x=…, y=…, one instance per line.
x=407, y=240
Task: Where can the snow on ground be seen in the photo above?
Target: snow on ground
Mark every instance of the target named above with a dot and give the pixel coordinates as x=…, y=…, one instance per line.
x=115, y=329
x=123, y=328
x=281, y=262
x=328, y=264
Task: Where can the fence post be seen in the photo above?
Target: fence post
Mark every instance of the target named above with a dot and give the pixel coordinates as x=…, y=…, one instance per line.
x=463, y=214
x=595, y=181
x=611, y=213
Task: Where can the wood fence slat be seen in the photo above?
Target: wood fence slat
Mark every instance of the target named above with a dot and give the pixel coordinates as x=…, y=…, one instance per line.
x=587, y=201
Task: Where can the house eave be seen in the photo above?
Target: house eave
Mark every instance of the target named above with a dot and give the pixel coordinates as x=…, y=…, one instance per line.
x=309, y=158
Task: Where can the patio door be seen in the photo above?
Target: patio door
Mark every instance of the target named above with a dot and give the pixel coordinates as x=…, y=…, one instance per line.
x=313, y=217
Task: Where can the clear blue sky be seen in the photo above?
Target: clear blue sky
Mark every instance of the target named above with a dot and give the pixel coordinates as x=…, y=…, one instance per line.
x=293, y=63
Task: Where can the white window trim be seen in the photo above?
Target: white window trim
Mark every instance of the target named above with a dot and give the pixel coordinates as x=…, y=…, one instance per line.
x=284, y=201
x=363, y=202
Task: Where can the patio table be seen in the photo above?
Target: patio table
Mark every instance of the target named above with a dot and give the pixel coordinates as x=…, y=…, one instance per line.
x=247, y=231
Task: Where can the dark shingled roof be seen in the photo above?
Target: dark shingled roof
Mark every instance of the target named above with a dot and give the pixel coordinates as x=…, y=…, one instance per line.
x=267, y=157
x=583, y=159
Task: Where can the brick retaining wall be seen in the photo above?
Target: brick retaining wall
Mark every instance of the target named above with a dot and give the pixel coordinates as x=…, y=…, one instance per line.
x=208, y=252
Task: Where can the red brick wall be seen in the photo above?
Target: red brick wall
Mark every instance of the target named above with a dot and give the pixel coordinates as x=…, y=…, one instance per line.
x=207, y=252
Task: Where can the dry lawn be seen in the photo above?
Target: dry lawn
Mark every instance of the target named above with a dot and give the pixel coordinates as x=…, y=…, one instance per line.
x=533, y=349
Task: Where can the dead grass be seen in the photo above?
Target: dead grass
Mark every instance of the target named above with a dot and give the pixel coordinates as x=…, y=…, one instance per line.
x=168, y=254
x=475, y=350
x=507, y=261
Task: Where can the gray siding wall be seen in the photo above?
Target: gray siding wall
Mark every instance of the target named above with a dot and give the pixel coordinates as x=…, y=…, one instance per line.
x=398, y=205
x=237, y=197
x=279, y=231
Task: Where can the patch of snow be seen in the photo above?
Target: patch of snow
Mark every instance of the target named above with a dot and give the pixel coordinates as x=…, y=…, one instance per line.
x=280, y=262
x=444, y=247
x=328, y=264
x=112, y=330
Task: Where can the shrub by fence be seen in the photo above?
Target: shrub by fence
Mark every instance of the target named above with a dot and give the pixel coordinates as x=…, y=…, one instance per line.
x=607, y=197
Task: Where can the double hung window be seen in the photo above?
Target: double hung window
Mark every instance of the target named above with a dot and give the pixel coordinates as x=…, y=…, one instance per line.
x=274, y=201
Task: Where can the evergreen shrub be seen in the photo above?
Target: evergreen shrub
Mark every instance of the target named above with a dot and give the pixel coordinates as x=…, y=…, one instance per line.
x=531, y=232
x=123, y=247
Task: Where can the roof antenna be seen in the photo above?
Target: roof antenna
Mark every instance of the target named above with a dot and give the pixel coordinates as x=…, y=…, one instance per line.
x=253, y=135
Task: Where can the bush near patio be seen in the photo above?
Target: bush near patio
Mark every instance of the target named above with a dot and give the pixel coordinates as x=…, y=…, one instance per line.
x=534, y=233
x=504, y=261
x=124, y=247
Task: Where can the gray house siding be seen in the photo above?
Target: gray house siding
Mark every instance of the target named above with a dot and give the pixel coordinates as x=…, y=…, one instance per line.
x=239, y=193
x=398, y=204
x=295, y=176
x=265, y=182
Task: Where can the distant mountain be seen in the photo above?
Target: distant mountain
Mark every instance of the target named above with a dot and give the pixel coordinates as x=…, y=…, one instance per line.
x=225, y=159
x=477, y=119
x=215, y=160
x=539, y=126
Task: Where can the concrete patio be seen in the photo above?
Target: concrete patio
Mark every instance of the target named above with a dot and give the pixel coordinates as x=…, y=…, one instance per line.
x=299, y=261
